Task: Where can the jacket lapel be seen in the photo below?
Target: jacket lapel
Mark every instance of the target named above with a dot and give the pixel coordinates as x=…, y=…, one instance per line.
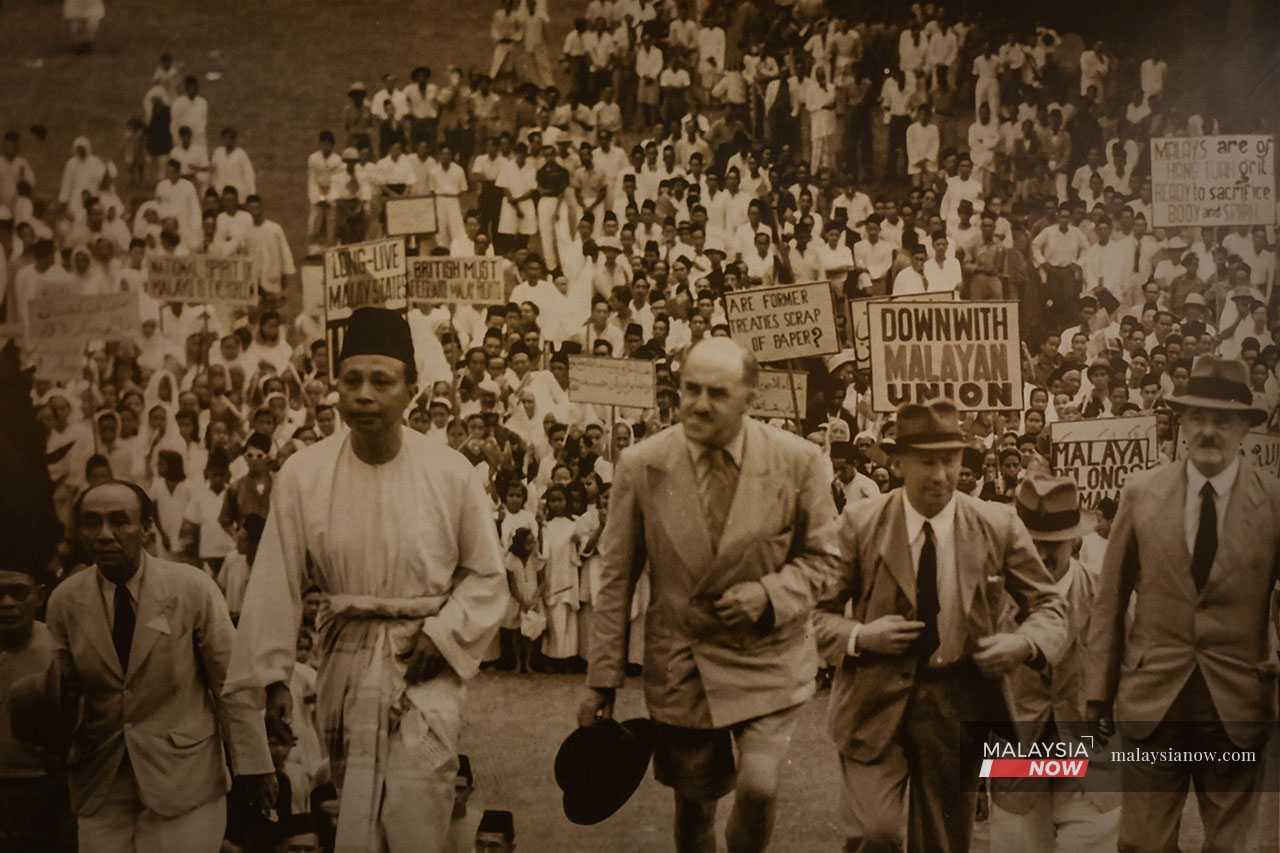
x=153, y=616
x=1170, y=527
x=1242, y=513
x=683, y=523
x=895, y=548
x=971, y=554
x=96, y=622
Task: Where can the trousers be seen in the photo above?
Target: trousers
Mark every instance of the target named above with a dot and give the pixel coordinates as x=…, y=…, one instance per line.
x=124, y=825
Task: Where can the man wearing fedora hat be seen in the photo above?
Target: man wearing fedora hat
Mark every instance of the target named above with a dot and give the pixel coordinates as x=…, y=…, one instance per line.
x=1056, y=814
x=1196, y=540
x=736, y=522
x=929, y=573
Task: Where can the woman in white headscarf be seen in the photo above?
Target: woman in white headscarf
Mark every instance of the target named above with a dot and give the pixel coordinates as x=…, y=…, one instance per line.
x=88, y=278
x=82, y=174
x=527, y=422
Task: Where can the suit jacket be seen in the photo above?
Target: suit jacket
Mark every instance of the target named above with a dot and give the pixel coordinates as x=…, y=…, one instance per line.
x=1222, y=629
x=165, y=712
x=780, y=532
x=995, y=557
x=1057, y=692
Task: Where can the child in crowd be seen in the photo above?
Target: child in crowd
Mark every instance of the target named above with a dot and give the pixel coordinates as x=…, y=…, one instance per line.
x=234, y=577
x=524, y=574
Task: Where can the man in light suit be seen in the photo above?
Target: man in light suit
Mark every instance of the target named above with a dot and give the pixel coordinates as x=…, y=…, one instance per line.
x=917, y=686
x=146, y=644
x=1197, y=541
x=736, y=521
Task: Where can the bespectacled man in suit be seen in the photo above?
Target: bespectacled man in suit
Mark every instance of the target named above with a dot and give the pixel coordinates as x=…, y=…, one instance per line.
x=919, y=665
x=1197, y=540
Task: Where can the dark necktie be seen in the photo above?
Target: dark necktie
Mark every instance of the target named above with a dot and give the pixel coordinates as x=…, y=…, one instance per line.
x=927, y=606
x=123, y=625
x=1206, y=538
x=719, y=485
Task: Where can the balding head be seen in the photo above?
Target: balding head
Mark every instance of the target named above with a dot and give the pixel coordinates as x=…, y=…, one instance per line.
x=726, y=351
x=718, y=383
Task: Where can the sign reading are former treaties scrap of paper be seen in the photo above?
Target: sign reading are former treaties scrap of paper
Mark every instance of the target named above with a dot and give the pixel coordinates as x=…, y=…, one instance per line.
x=466, y=280
x=1213, y=180
x=791, y=321
x=202, y=279
x=968, y=352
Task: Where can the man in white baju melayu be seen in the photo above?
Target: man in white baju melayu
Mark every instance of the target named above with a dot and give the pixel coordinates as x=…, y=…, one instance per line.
x=400, y=540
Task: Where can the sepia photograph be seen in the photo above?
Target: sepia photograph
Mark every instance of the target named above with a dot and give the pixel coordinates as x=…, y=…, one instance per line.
x=639, y=426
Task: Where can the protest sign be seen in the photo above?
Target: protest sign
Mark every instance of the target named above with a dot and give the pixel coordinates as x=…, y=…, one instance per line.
x=1213, y=180
x=1262, y=449
x=60, y=327
x=1100, y=454
x=791, y=321
x=207, y=279
x=612, y=381
x=968, y=352
x=361, y=275
x=469, y=280
x=860, y=326
x=773, y=394
x=415, y=214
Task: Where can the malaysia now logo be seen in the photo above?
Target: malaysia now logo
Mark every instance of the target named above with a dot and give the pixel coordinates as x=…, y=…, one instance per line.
x=1048, y=760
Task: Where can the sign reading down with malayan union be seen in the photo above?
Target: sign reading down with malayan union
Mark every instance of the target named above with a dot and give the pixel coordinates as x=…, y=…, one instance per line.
x=968, y=352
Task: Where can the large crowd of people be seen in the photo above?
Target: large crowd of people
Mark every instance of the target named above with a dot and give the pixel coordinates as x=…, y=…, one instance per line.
x=660, y=157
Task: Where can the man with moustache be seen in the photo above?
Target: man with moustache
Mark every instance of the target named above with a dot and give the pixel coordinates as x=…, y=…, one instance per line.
x=1196, y=540
x=929, y=573
x=736, y=522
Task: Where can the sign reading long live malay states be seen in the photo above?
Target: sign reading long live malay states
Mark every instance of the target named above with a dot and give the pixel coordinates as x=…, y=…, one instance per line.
x=860, y=326
x=773, y=394
x=469, y=280
x=361, y=275
x=61, y=325
x=1213, y=180
x=612, y=381
x=968, y=352
x=202, y=279
x=1101, y=454
x=791, y=321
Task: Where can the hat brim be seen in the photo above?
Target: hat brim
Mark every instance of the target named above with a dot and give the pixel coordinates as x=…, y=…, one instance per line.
x=1088, y=522
x=593, y=791
x=900, y=446
x=1190, y=401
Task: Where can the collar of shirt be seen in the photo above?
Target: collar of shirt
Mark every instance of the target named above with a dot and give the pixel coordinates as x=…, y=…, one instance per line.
x=1222, y=482
x=735, y=446
x=943, y=523
x=133, y=585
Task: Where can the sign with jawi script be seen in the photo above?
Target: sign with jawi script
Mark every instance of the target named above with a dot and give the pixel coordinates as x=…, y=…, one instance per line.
x=968, y=352
x=61, y=325
x=773, y=394
x=612, y=381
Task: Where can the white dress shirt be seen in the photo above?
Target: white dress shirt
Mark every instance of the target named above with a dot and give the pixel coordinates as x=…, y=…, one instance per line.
x=944, y=540
x=108, y=590
x=1222, y=485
